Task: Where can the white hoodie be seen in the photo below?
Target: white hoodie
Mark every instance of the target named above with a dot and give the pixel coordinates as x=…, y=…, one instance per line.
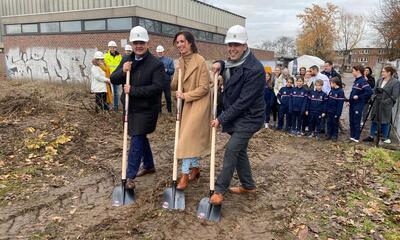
x=98, y=80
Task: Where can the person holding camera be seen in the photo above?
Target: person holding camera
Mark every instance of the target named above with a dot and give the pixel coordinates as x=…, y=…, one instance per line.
x=387, y=89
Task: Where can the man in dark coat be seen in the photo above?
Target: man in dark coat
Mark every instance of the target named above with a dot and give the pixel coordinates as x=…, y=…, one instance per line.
x=146, y=83
x=243, y=99
x=329, y=71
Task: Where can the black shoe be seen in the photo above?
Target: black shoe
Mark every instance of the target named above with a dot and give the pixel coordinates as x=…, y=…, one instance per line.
x=368, y=139
x=145, y=171
x=328, y=138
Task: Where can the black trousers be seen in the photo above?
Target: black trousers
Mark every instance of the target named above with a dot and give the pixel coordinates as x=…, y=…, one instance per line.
x=236, y=158
x=167, y=95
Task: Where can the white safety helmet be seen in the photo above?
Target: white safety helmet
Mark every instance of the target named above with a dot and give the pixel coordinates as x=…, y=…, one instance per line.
x=138, y=33
x=128, y=47
x=236, y=34
x=98, y=55
x=159, y=49
x=112, y=44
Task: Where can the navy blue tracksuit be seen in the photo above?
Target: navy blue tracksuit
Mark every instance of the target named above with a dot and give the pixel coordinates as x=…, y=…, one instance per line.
x=284, y=96
x=297, y=107
x=363, y=90
x=334, y=107
x=269, y=98
x=315, y=107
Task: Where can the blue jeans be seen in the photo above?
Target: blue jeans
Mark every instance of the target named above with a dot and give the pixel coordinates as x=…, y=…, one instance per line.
x=384, y=127
x=189, y=161
x=116, y=98
x=138, y=150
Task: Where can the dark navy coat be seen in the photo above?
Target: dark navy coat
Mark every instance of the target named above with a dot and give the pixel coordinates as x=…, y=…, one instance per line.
x=335, y=102
x=284, y=96
x=243, y=98
x=316, y=102
x=362, y=89
x=298, y=100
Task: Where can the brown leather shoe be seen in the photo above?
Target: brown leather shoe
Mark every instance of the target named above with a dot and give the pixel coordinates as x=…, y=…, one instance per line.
x=130, y=184
x=240, y=190
x=145, y=171
x=194, y=174
x=183, y=182
x=216, y=198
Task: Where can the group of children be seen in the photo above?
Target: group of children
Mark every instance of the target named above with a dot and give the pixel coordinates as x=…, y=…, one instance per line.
x=305, y=110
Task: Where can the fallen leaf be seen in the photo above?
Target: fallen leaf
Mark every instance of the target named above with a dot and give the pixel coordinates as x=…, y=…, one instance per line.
x=57, y=219
x=2, y=163
x=2, y=186
x=303, y=233
x=30, y=129
x=396, y=208
x=72, y=211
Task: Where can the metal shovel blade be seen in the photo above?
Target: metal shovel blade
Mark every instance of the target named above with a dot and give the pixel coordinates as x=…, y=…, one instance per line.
x=173, y=199
x=208, y=211
x=122, y=196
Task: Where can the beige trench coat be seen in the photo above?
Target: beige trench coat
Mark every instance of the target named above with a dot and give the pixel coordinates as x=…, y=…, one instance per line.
x=195, y=130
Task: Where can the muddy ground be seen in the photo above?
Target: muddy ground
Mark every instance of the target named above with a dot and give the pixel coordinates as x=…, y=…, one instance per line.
x=59, y=162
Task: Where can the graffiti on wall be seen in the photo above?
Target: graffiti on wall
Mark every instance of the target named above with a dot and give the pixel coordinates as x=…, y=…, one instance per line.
x=54, y=64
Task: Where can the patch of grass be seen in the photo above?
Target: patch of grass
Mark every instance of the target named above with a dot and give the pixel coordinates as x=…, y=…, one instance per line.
x=11, y=186
x=391, y=235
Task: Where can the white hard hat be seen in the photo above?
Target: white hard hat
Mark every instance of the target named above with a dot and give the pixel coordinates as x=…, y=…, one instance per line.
x=159, y=49
x=128, y=47
x=98, y=55
x=138, y=33
x=112, y=44
x=236, y=34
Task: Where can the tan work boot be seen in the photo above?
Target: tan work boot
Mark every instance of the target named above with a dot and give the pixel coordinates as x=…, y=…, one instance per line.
x=194, y=174
x=240, y=190
x=130, y=184
x=183, y=182
x=216, y=198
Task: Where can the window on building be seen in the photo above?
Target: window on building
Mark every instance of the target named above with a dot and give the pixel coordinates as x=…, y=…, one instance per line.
x=119, y=23
x=51, y=27
x=218, y=38
x=30, y=28
x=13, y=29
x=71, y=26
x=169, y=29
x=95, y=25
x=150, y=25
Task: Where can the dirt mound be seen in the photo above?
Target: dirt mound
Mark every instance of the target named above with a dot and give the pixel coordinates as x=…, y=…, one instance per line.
x=18, y=104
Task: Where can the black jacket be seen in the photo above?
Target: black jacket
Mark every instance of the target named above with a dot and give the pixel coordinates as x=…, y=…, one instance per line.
x=147, y=79
x=332, y=74
x=243, y=98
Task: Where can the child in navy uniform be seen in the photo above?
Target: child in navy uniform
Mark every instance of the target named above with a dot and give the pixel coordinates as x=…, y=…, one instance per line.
x=297, y=106
x=284, y=96
x=269, y=97
x=360, y=93
x=315, y=109
x=334, y=107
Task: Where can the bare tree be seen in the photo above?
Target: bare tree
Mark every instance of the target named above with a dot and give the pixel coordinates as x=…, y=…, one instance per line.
x=386, y=22
x=350, y=33
x=284, y=46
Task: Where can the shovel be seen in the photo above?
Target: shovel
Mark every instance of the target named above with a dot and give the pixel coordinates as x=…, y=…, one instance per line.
x=172, y=197
x=121, y=195
x=206, y=210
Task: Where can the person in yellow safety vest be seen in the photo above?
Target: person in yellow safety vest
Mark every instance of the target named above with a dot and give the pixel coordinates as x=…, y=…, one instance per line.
x=112, y=58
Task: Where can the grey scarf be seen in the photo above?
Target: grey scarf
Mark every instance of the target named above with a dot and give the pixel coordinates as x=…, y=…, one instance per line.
x=231, y=64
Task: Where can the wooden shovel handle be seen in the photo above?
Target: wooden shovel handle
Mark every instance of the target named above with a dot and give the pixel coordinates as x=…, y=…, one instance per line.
x=177, y=128
x=125, y=140
x=213, y=135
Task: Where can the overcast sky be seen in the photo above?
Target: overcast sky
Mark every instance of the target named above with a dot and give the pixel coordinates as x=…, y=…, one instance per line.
x=270, y=19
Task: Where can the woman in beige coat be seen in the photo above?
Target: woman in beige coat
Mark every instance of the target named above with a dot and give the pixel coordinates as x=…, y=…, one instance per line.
x=194, y=139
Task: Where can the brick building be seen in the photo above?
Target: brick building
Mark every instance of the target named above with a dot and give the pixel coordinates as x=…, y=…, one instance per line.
x=55, y=40
x=369, y=57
